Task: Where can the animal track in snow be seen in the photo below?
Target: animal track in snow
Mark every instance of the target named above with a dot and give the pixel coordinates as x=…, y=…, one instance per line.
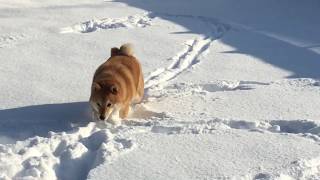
x=299, y=82
x=191, y=53
x=139, y=20
x=82, y=149
x=10, y=40
x=299, y=169
x=187, y=89
x=304, y=169
x=74, y=152
x=305, y=128
x=182, y=61
x=228, y=85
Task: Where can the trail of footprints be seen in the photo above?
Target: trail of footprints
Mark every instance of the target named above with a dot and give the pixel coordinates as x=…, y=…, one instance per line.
x=185, y=59
x=87, y=147
x=139, y=20
x=10, y=40
x=74, y=152
x=191, y=53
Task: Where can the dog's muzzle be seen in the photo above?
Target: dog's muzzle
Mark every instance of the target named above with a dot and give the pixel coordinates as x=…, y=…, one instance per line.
x=102, y=117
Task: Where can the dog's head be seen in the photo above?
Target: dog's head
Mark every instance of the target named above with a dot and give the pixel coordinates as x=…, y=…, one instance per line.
x=104, y=99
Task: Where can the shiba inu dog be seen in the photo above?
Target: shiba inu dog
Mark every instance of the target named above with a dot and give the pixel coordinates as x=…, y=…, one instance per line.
x=117, y=83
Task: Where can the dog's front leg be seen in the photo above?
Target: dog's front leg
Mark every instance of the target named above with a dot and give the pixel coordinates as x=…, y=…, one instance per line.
x=114, y=117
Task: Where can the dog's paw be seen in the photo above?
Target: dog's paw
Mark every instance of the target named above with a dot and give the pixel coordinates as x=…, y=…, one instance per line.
x=115, y=119
x=115, y=122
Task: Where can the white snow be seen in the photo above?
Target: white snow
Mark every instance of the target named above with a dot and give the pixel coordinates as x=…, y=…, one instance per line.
x=232, y=90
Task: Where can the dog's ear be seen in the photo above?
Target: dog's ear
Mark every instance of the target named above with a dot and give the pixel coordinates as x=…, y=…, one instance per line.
x=96, y=86
x=114, y=89
x=115, y=51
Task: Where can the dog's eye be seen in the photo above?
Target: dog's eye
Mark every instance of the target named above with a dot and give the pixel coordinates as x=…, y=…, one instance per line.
x=108, y=105
x=99, y=105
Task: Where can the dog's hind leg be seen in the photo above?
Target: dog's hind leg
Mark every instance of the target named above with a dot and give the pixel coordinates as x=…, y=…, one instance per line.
x=140, y=91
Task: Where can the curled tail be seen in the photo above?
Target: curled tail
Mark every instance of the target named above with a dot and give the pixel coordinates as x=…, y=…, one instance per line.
x=125, y=49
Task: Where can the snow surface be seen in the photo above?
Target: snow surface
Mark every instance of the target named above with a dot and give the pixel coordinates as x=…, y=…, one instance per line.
x=232, y=90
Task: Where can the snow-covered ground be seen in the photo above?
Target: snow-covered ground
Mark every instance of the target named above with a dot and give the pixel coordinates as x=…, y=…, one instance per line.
x=232, y=89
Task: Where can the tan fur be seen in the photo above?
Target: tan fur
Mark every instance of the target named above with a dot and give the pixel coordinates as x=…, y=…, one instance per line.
x=119, y=82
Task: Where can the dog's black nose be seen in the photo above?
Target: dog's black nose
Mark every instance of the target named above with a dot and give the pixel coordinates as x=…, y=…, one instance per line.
x=102, y=117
